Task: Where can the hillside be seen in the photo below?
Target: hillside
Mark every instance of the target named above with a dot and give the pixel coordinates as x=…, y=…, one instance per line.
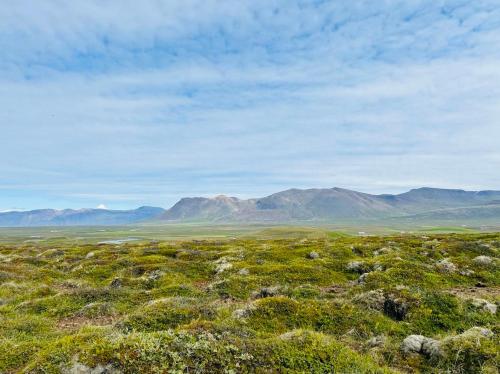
x=336, y=204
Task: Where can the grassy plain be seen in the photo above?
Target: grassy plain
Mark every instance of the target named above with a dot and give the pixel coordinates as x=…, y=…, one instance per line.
x=192, y=298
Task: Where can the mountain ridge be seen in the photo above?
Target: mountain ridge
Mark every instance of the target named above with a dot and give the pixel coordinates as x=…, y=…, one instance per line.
x=308, y=205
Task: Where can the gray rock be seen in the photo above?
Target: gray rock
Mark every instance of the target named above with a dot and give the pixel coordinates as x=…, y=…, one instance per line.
x=356, y=266
x=155, y=275
x=362, y=278
x=431, y=347
x=413, y=344
x=372, y=299
x=243, y=272
x=116, y=283
x=376, y=341
x=485, y=305
x=446, y=266
x=79, y=368
x=90, y=255
x=313, y=255
x=422, y=345
x=483, y=260
x=268, y=292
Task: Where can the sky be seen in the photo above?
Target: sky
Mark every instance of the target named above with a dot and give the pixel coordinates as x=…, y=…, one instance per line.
x=124, y=103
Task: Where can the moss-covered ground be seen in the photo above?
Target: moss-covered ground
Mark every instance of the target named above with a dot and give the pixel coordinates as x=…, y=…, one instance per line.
x=300, y=303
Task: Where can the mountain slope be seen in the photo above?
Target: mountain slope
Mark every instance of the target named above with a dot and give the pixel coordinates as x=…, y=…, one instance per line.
x=335, y=204
x=80, y=217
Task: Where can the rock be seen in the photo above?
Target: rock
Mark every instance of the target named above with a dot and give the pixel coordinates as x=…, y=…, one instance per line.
x=244, y=312
x=396, y=308
x=268, y=292
x=155, y=275
x=480, y=284
x=485, y=305
x=312, y=255
x=243, y=272
x=422, y=345
x=220, y=268
x=483, y=260
x=378, y=267
x=477, y=332
x=381, y=251
x=79, y=368
x=372, y=299
x=446, y=266
x=431, y=347
x=376, y=341
x=355, y=266
x=90, y=255
x=467, y=272
x=116, y=283
x=362, y=278
x=413, y=344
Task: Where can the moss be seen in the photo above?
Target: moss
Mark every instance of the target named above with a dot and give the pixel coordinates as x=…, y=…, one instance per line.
x=172, y=312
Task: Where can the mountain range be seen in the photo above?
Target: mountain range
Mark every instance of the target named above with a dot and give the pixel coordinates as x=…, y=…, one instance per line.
x=318, y=205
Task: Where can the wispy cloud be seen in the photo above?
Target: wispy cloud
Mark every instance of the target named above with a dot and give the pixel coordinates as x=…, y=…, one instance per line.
x=142, y=103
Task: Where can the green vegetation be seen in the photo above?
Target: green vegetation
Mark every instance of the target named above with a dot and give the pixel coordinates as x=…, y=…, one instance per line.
x=282, y=300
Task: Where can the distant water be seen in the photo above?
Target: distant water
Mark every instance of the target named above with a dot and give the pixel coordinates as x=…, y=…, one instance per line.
x=118, y=241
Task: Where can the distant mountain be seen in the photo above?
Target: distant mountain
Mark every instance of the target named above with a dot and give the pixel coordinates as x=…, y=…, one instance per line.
x=79, y=217
x=294, y=205
x=336, y=204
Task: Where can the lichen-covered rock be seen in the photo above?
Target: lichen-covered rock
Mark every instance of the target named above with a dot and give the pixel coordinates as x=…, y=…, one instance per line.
x=413, y=344
x=355, y=266
x=422, y=345
x=244, y=312
x=483, y=260
x=446, y=266
x=79, y=368
x=268, y=292
x=485, y=305
x=116, y=283
x=362, y=278
x=312, y=255
x=222, y=267
x=372, y=299
x=155, y=275
x=243, y=272
x=376, y=341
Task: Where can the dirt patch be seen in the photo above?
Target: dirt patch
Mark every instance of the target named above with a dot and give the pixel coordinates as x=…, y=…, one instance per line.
x=468, y=292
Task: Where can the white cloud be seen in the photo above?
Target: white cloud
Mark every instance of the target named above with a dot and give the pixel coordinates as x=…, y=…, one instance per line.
x=189, y=98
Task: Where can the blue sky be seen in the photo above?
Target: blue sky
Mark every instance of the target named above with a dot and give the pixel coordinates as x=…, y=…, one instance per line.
x=127, y=103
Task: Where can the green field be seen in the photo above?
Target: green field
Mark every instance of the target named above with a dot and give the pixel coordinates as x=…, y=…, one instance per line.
x=237, y=299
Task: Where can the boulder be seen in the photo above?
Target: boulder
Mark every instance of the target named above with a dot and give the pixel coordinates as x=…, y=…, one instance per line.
x=483, y=260
x=421, y=345
x=396, y=308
